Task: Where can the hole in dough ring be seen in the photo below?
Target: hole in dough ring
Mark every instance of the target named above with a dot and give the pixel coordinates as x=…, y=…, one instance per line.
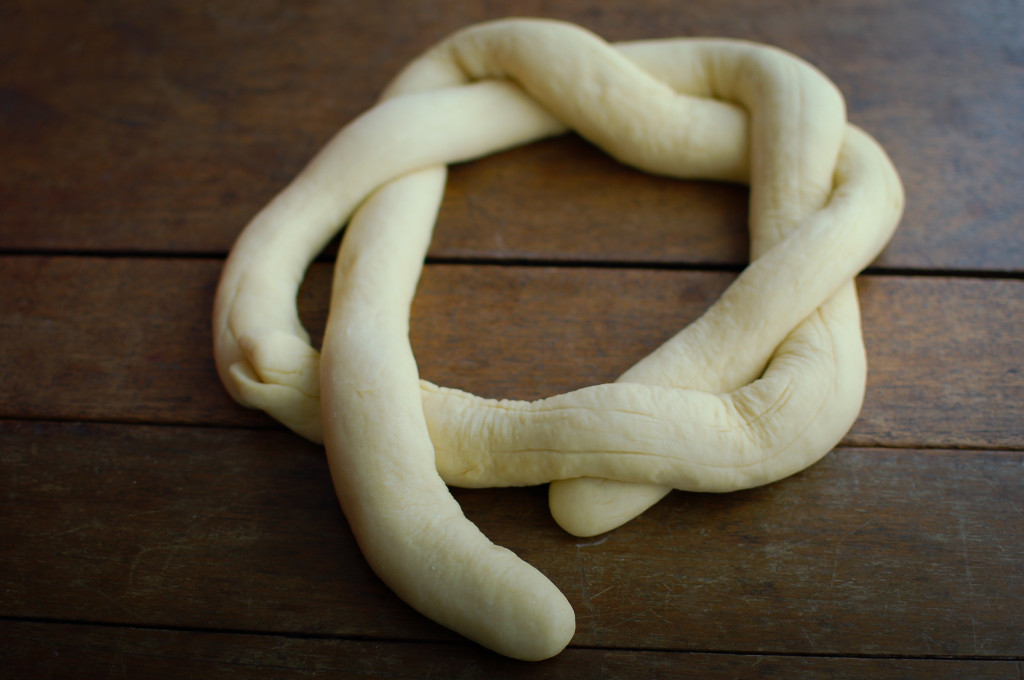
x=760, y=386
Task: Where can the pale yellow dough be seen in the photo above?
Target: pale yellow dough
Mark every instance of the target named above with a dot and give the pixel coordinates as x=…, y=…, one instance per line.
x=764, y=384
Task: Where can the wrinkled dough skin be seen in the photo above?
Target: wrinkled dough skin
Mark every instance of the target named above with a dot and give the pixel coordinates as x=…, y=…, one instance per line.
x=762, y=385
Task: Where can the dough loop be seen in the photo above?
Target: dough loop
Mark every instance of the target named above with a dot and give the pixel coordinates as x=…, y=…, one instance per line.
x=762, y=385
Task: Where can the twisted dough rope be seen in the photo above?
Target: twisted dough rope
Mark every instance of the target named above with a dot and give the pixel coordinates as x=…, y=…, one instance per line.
x=759, y=387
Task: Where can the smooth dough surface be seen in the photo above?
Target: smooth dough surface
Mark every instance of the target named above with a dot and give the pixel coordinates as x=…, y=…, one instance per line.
x=762, y=385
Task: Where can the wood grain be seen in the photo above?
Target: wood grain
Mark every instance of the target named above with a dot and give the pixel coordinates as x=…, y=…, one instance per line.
x=165, y=126
x=150, y=527
x=77, y=652
x=941, y=368
x=870, y=552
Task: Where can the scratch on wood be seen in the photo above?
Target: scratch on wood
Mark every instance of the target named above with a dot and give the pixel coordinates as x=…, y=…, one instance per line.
x=970, y=581
x=586, y=591
x=588, y=544
x=114, y=601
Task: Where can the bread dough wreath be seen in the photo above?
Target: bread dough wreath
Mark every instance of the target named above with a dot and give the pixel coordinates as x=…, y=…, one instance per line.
x=762, y=385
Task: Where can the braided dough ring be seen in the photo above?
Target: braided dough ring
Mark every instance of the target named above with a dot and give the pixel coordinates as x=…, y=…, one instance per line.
x=763, y=384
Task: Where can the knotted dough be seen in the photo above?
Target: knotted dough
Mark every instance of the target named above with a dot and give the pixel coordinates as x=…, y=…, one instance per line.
x=762, y=385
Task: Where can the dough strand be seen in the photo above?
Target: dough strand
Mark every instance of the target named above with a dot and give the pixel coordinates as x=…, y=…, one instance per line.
x=766, y=382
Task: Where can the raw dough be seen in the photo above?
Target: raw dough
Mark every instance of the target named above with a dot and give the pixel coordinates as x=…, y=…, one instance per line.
x=761, y=386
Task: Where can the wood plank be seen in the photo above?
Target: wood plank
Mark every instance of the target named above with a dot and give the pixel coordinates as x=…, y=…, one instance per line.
x=119, y=136
x=89, y=338
x=145, y=126
x=871, y=552
x=69, y=651
x=129, y=340
x=927, y=381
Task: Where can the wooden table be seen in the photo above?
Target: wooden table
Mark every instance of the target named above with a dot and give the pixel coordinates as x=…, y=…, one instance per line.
x=150, y=527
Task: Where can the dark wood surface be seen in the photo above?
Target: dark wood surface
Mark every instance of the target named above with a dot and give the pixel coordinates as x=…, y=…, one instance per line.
x=150, y=527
